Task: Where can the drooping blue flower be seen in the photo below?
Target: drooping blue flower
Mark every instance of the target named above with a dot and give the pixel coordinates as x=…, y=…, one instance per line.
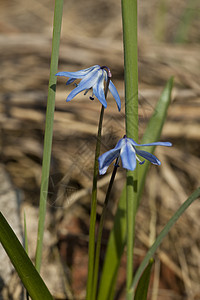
x=93, y=77
x=127, y=150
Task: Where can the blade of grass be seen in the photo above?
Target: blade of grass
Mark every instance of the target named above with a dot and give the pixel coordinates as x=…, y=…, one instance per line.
x=48, y=129
x=161, y=13
x=154, y=129
x=129, y=23
x=25, y=247
x=25, y=235
x=22, y=263
x=186, y=20
x=195, y=195
x=143, y=284
x=117, y=237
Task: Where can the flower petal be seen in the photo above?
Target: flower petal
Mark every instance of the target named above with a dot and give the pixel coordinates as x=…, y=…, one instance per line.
x=98, y=90
x=128, y=156
x=86, y=83
x=152, y=158
x=167, y=144
x=115, y=94
x=106, y=159
x=78, y=74
x=120, y=143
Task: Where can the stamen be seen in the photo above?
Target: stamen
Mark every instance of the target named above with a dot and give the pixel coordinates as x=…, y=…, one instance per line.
x=92, y=97
x=86, y=91
x=140, y=162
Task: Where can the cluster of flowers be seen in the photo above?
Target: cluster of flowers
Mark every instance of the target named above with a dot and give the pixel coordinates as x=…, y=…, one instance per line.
x=94, y=78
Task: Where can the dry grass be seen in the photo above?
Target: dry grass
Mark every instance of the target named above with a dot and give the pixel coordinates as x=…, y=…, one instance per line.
x=91, y=34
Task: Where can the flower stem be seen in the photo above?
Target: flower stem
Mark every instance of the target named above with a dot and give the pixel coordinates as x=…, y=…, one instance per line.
x=129, y=20
x=91, y=251
x=101, y=224
x=48, y=129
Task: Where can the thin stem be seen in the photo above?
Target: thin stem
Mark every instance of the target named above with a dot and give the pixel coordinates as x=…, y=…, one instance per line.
x=129, y=20
x=101, y=225
x=91, y=251
x=48, y=129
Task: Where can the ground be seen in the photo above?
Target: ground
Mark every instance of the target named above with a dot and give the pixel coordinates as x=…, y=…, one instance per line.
x=168, y=38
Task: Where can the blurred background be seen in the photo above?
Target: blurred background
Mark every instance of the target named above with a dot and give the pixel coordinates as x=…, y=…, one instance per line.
x=169, y=36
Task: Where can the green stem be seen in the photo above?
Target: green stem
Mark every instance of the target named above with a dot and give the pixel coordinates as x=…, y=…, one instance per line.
x=129, y=20
x=101, y=225
x=49, y=129
x=91, y=251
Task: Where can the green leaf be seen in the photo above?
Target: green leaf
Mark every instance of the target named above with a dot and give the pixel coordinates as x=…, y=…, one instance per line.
x=25, y=235
x=130, y=33
x=48, y=136
x=163, y=233
x=143, y=284
x=116, y=243
x=154, y=129
x=22, y=263
x=186, y=20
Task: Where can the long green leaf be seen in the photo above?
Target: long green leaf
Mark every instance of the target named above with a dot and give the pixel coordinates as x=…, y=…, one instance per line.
x=48, y=129
x=129, y=24
x=195, y=195
x=22, y=263
x=116, y=245
x=25, y=235
x=154, y=129
x=143, y=284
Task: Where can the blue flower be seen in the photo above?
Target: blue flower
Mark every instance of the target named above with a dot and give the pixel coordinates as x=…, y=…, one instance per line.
x=92, y=77
x=126, y=149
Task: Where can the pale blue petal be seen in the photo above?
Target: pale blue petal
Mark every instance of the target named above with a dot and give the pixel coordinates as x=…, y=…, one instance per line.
x=128, y=157
x=86, y=83
x=90, y=79
x=106, y=159
x=120, y=143
x=98, y=90
x=167, y=144
x=152, y=158
x=115, y=94
x=78, y=74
